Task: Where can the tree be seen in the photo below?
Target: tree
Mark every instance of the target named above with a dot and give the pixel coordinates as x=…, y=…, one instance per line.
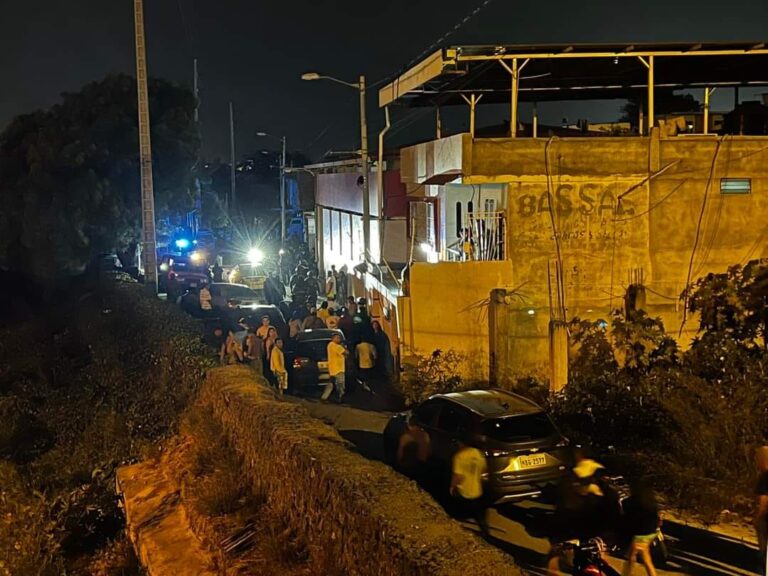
x=69, y=176
x=665, y=102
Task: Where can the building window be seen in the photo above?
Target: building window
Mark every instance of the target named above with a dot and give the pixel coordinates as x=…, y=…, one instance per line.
x=735, y=185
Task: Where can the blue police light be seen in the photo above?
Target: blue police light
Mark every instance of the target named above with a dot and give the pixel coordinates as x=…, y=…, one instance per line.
x=182, y=243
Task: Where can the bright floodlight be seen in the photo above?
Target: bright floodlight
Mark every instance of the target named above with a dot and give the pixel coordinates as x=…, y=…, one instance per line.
x=310, y=76
x=196, y=257
x=182, y=243
x=255, y=256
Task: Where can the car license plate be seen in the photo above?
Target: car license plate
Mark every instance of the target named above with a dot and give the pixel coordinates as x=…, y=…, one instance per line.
x=193, y=284
x=532, y=461
x=322, y=365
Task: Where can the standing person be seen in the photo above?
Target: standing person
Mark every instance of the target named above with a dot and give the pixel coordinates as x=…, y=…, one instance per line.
x=277, y=364
x=323, y=312
x=414, y=447
x=383, y=350
x=263, y=330
x=205, y=299
x=641, y=515
x=233, y=349
x=332, y=322
x=468, y=467
x=312, y=322
x=761, y=509
x=330, y=286
x=294, y=325
x=351, y=306
x=218, y=272
x=254, y=347
x=337, y=356
x=269, y=342
x=345, y=323
x=342, y=285
x=365, y=352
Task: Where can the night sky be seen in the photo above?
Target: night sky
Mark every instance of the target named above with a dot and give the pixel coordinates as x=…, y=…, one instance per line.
x=252, y=52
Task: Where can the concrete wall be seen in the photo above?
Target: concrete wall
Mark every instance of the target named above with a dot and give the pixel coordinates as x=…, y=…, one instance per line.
x=616, y=205
x=448, y=308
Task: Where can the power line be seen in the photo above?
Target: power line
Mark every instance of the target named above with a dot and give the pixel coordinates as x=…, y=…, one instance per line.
x=436, y=44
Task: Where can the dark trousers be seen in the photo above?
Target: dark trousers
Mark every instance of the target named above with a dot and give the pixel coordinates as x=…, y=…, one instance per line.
x=476, y=508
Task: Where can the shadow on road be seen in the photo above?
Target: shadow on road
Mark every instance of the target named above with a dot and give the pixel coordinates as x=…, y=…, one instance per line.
x=369, y=444
x=704, y=553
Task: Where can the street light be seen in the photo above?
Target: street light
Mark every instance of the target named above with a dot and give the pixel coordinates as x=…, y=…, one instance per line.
x=282, y=182
x=360, y=86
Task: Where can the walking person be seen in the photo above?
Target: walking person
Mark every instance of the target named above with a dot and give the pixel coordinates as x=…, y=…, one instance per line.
x=330, y=286
x=365, y=352
x=277, y=364
x=641, y=516
x=467, y=468
x=337, y=365
x=761, y=509
x=342, y=285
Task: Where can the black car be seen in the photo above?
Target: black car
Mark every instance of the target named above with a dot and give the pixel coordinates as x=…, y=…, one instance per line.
x=525, y=451
x=308, y=361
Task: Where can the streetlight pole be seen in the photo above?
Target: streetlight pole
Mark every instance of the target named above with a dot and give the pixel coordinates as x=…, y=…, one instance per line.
x=366, y=180
x=282, y=182
x=360, y=86
x=282, y=195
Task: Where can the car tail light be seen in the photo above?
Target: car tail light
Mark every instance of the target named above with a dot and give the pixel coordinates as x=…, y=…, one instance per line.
x=300, y=362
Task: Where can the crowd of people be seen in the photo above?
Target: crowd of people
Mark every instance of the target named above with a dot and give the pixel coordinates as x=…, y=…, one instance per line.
x=366, y=348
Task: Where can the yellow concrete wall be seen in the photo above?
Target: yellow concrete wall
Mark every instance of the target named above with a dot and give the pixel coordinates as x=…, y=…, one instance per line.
x=448, y=308
x=618, y=204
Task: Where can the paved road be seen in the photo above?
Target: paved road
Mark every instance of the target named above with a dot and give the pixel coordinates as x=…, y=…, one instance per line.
x=519, y=529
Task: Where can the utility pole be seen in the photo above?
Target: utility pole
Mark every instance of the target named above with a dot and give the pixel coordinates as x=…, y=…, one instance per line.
x=233, y=189
x=366, y=180
x=196, y=92
x=282, y=194
x=149, y=248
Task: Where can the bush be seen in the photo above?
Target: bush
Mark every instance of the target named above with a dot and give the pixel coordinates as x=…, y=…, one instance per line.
x=433, y=374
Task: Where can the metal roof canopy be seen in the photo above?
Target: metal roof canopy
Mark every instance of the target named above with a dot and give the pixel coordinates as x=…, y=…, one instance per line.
x=574, y=72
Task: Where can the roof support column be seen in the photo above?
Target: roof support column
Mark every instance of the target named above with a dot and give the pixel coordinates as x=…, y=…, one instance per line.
x=472, y=101
x=535, y=121
x=514, y=72
x=649, y=64
x=438, y=124
x=707, y=93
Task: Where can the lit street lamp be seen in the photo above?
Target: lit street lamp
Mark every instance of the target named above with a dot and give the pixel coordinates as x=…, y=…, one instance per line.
x=282, y=183
x=360, y=85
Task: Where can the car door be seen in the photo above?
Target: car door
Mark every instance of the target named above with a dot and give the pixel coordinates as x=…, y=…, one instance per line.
x=453, y=422
x=217, y=297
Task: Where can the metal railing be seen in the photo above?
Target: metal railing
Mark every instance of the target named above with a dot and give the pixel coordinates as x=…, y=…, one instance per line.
x=483, y=237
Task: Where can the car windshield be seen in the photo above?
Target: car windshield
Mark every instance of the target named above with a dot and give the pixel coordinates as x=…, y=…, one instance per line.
x=316, y=350
x=239, y=292
x=518, y=428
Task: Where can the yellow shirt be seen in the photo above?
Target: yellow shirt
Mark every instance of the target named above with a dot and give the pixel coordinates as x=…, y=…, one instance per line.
x=323, y=314
x=366, y=355
x=277, y=361
x=335, y=358
x=469, y=463
x=332, y=322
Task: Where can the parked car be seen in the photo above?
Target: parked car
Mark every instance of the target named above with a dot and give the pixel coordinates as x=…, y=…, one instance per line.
x=253, y=318
x=525, y=451
x=178, y=273
x=226, y=296
x=308, y=361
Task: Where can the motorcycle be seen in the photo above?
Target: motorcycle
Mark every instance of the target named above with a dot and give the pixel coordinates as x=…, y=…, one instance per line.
x=586, y=557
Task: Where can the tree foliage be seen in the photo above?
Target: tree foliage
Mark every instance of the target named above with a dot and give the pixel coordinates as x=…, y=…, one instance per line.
x=691, y=419
x=69, y=175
